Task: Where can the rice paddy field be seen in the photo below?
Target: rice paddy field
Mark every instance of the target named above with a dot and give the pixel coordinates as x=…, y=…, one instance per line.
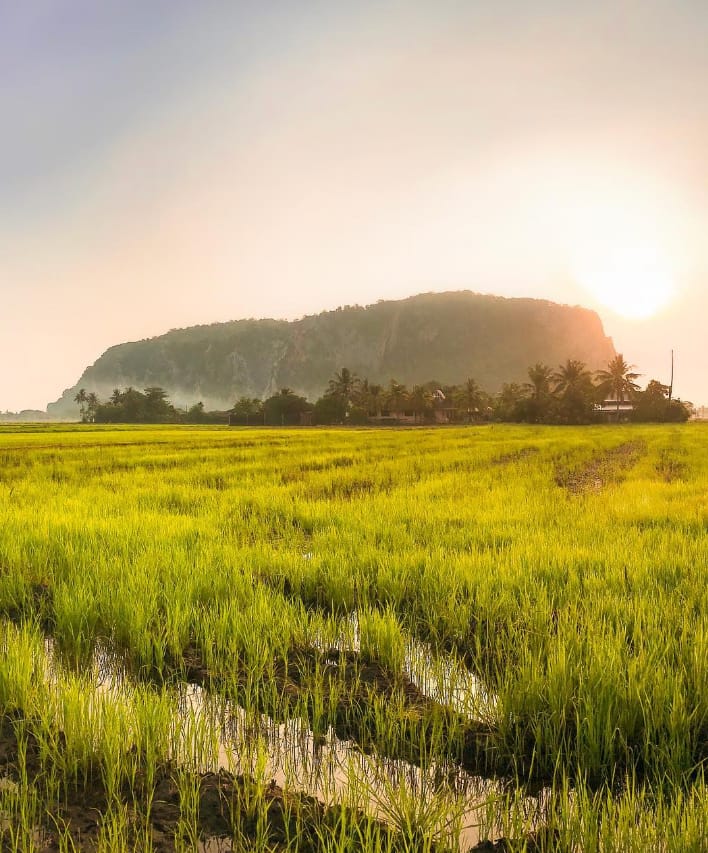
x=489, y=638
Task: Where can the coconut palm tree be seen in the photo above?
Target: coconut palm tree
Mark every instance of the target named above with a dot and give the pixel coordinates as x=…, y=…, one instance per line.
x=469, y=398
x=92, y=403
x=343, y=384
x=539, y=384
x=617, y=380
x=538, y=403
x=573, y=385
x=421, y=401
x=396, y=397
x=376, y=398
x=81, y=398
x=573, y=376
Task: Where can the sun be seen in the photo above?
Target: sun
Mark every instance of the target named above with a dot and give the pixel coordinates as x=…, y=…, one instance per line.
x=633, y=281
x=619, y=232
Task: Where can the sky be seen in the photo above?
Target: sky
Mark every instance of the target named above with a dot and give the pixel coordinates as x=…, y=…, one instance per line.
x=170, y=163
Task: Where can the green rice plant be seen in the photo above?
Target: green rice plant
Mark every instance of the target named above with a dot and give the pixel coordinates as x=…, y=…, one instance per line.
x=187, y=829
x=23, y=666
x=548, y=633
x=382, y=639
x=20, y=816
x=115, y=834
x=426, y=817
x=250, y=817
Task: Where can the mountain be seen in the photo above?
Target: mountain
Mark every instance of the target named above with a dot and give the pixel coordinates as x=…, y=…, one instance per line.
x=443, y=336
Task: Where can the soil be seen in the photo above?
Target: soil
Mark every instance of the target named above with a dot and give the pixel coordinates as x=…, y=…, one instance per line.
x=670, y=468
x=604, y=468
x=515, y=455
x=536, y=842
x=223, y=798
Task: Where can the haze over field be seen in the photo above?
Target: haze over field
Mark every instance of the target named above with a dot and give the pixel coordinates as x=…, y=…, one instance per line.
x=175, y=163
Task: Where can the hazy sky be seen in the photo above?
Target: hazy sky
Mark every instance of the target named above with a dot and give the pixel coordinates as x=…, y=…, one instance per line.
x=173, y=162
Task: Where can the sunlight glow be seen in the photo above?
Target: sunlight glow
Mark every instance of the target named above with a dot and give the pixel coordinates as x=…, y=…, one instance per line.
x=618, y=230
x=635, y=282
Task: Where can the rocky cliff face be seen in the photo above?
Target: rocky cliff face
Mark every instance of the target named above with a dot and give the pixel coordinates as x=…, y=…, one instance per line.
x=443, y=336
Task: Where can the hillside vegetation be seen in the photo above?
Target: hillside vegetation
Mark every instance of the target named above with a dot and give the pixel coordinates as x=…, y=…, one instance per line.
x=443, y=336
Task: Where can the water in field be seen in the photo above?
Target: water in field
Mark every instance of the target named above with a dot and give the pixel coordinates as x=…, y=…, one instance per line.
x=215, y=733
x=441, y=678
x=336, y=771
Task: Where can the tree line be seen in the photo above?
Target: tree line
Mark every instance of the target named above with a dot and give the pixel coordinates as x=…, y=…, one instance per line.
x=569, y=394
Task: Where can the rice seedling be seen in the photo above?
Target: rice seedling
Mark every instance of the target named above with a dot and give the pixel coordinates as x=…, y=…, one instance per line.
x=521, y=602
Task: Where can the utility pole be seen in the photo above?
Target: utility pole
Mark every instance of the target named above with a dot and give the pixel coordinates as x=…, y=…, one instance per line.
x=671, y=385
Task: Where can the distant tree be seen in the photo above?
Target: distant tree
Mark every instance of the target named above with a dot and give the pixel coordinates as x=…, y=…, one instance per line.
x=330, y=409
x=539, y=384
x=539, y=405
x=132, y=406
x=571, y=376
x=81, y=399
x=680, y=410
x=344, y=385
x=285, y=408
x=396, y=397
x=159, y=406
x=88, y=403
x=469, y=397
x=247, y=410
x=196, y=414
x=575, y=392
x=653, y=405
x=92, y=404
x=156, y=407
x=507, y=402
x=361, y=397
x=356, y=416
x=370, y=398
x=617, y=381
x=378, y=397
x=421, y=401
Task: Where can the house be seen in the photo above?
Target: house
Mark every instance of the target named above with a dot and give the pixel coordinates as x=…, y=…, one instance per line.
x=394, y=418
x=612, y=409
x=439, y=411
x=443, y=409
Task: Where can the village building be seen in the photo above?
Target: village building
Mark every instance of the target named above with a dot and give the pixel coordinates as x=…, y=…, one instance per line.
x=613, y=410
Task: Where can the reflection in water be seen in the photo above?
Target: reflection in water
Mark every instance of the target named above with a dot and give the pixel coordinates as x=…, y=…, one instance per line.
x=212, y=733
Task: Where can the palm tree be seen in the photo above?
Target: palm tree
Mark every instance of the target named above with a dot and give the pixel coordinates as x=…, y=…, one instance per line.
x=573, y=385
x=421, y=401
x=81, y=398
x=396, y=397
x=507, y=401
x=92, y=403
x=540, y=376
x=617, y=380
x=469, y=397
x=571, y=377
x=343, y=385
x=375, y=397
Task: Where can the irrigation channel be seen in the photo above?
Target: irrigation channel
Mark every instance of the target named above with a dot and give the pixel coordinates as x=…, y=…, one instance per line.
x=291, y=756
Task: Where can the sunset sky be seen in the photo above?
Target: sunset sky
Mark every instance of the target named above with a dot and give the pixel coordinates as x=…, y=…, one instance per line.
x=172, y=162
